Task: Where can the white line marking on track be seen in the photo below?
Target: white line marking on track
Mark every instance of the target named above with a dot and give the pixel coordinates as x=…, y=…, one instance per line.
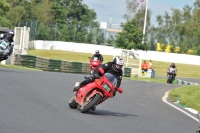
x=164, y=99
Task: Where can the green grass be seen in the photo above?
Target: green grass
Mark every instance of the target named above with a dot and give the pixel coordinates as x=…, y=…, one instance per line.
x=158, y=80
x=184, y=70
x=188, y=95
x=66, y=55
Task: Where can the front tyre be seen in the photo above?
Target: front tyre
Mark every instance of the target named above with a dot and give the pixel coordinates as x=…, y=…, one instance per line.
x=91, y=103
x=170, y=79
x=72, y=103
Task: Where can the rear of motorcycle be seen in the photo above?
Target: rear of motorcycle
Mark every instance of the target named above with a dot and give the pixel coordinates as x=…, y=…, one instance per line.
x=85, y=99
x=91, y=101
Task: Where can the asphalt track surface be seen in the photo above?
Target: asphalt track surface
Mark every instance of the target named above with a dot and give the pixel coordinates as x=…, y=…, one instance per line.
x=37, y=102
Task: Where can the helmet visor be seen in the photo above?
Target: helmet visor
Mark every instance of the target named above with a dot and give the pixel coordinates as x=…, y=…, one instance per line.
x=118, y=66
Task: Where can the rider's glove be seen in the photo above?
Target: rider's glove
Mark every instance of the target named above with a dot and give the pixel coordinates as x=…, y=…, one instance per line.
x=96, y=76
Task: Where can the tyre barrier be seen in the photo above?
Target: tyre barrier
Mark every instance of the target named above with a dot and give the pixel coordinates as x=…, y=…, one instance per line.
x=53, y=65
x=182, y=82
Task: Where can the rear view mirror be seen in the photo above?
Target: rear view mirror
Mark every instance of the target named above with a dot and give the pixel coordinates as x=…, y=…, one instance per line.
x=101, y=70
x=120, y=90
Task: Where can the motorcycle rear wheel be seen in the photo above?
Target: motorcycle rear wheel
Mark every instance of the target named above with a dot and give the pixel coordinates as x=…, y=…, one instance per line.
x=72, y=103
x=91, y=103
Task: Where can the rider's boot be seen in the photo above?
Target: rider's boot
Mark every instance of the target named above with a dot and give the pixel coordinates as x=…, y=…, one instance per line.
x=76, y=88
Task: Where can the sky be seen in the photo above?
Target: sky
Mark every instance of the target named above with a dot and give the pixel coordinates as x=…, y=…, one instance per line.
x=115, y=9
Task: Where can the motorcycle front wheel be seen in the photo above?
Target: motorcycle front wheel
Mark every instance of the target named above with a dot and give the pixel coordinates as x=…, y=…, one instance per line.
x=170, y=79
x=91, y=103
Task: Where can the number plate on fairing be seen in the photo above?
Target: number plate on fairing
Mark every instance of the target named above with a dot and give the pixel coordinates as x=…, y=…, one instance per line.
x=4, y=45
x=106, y=87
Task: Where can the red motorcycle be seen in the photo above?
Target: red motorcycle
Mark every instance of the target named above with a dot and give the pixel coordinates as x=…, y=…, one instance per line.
x=94, y=62
x=94, y=93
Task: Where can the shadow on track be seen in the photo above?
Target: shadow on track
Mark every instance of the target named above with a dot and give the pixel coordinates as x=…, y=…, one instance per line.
x=10, y=71
x=109, y=113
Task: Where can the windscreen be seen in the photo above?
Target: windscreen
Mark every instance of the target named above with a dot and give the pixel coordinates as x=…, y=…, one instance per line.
x=95, y=58
x=111, y=78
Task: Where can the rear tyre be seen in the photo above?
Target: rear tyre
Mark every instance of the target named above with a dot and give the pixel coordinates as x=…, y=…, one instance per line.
x=72, y=103
x=91, y=104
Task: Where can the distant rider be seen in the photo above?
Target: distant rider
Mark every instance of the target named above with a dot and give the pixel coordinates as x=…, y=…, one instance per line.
x=172, y=66
x=6, y=45
x=98, y=55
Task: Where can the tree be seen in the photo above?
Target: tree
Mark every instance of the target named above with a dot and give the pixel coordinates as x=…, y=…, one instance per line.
x=139, y=17
x=16, y=14
x=4, y=7
x=43, y=32
x=43, y=10
x=111, y=39
x=130, y=37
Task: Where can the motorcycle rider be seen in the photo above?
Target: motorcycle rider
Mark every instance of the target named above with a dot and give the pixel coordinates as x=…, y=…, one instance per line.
x=114, y=67
x=172, y=66
x=8, y=38
x=98, y=55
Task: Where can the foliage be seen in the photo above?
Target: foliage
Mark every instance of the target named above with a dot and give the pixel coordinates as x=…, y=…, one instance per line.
x=130, y=37
x=181, y=29
x=64, y=20
x=4, y=22
x=43, y=32
x=16, y=14
x=4, y=7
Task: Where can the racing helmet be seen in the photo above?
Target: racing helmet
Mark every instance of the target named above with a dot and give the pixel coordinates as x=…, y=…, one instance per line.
x=10, y=34
x=173, y=65
x=96, y=51
x=118, y=63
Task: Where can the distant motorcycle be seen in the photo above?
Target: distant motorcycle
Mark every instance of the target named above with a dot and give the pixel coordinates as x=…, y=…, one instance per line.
x=94, y=62
x=4, y=48
x=198, y=130
x=94, y=93
x=171, y=75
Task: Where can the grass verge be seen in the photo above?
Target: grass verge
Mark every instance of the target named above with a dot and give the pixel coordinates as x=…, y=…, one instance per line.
x=184, y=70
x=188, y=95
x=158, y=80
